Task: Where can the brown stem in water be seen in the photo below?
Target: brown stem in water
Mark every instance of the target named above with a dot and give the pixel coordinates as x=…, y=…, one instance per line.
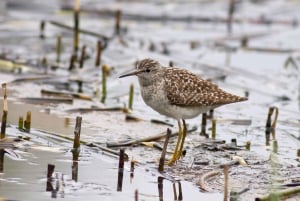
x=73, y=59
x=82, y=56
x=203, y=125
x=231, y=9
x=160, y=188
x=98, y=55
x=136, y=195
x=21, y=123
x=42, y=29
x=132, y=162
x=27, y=122
x=50, y=170
x=5, y=111
x=58, y=48
x=179, y=191
x=118, y=22
x=226, y=168
x=164, y=151
x=213, y=129
x=76, y=26
x=77, y=130
x=121, y=169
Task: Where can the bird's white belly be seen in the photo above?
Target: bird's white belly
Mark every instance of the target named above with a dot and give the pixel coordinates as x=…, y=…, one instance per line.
x=159, y=102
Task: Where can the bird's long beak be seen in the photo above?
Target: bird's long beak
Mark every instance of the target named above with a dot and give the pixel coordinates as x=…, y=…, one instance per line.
x=136, y=72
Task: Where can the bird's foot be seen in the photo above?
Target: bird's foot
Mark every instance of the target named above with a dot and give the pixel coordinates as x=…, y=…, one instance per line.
x=171, y=161
x=175, y=157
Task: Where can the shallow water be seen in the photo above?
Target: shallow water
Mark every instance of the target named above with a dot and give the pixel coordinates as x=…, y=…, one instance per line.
x=262, y=74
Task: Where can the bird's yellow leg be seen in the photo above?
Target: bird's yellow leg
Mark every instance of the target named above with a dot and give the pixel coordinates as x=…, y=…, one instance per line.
x=175, y=154
x=184, y=132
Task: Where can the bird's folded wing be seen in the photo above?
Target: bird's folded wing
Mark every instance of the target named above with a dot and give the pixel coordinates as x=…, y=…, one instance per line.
x=186, y=89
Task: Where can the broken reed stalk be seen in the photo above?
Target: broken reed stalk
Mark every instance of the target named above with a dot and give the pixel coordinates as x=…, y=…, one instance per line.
x=121, y=159
x=76, y=148
x=136, y=195
x=268, y=126
x=58, y=48
x=21, y=121
x=98, y=55
x=179, y=191
x=5, y=111
x=42, y=29
x=132, y=162
x=231, y=9
x=73, y=59
x=244, y=42
x=121, y=169
x=76, y=25
x=79, y=83
x=248, y=145
x=203, y=125
x=281, y=194
x=226, y=168
x=213, y=129
x=160, y=187
x=2, y=152
x=82, y=56
x=27, y=122
x=164, y=151
x=45, y=63
x=131, y=93
x=174, y=192
x=105, y=71
x=75, y=166
x=271, y=126
x=50, y=170
x=77, y=130
x=233, y=142
x=118, y=22
x=165, y=50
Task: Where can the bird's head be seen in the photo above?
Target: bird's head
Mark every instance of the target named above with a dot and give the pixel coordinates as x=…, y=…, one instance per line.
x=147, y=71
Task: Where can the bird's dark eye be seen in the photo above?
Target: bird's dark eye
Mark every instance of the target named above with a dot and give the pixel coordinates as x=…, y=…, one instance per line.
x=147, y=70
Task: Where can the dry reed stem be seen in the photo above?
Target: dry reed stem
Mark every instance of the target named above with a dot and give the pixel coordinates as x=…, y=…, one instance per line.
x=5, y=111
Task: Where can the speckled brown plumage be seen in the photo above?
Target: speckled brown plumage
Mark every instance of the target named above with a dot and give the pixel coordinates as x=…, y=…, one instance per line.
x=186, y=89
